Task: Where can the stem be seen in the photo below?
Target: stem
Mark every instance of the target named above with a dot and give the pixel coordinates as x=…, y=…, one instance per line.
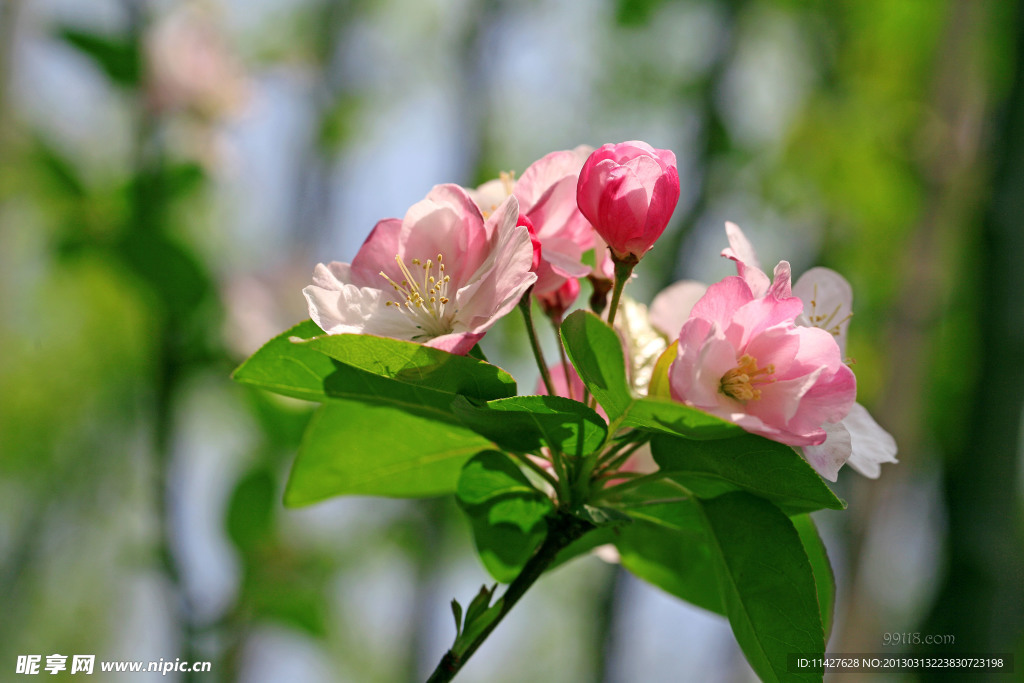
x=562, y=478
x=556, y=321
x=617, y=456
x=563, y=529
x=531, y=332
x=543, y=473
x=640, y=481
x=623, y=269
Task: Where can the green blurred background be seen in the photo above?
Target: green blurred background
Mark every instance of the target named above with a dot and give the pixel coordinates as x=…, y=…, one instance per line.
x=170, y=173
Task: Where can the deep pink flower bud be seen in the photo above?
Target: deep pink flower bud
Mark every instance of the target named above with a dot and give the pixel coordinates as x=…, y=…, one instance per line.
x=628, y=192
x=528, y=224
x=557, y=302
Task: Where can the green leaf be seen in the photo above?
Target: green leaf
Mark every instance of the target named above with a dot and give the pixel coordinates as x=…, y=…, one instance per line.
x=384, y=371
x=251, y=509
x=751, y=463
x=766, y=583
x=479, y=616
x=524, y=424
x=505, y=511
x=670, y=417
x=457, y=613
x=668, y=545
x=118, y=58
x=358, y=448
x=824, y=579
x=287, y=368
x=601, y=516
x=417, y=365
x=479, y=604
x=596, y=352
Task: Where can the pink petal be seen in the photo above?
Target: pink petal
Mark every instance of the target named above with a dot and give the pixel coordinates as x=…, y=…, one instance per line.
x=722, y=300
x=502, y=278
x=547, y=171
x=446, y=222
x=754, y=317
x=742, y=252
x=460, y=343
x=378, y=253
x=780, y=288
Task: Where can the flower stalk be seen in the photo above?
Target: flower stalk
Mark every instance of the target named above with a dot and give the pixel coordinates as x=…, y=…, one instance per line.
x=623, y=270
x=525, y=306
x=563, y=529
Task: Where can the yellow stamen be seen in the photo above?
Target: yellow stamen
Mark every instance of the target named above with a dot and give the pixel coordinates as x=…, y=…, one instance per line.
x=426, y=297
x=739, y=383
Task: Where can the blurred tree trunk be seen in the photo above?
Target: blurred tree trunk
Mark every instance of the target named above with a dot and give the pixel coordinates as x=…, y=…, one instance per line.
x=982, y=599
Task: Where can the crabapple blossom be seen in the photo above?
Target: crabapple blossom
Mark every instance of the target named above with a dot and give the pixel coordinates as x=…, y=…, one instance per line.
x=441, y=276
x=742, y=357
x=828, y=304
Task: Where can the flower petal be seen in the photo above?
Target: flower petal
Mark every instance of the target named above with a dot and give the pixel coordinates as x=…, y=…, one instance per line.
x=871, y=445
x=503, y=278
x=742, y=252
x=828, y=457
x=672, y=306
x=377, y=254
x=828, y=302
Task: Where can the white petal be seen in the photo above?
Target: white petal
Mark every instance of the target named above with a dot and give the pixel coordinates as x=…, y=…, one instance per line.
x=490, y=195
x=356, y=310
x=331, y=276
x=826, y=458
x=828, y=302
x=671, y=307
x=872, y=445
x=741, y=247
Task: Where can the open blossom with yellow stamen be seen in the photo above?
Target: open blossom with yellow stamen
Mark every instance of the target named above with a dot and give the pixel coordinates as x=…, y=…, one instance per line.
x=441, y=276
x=743, y=358
x=857, y=439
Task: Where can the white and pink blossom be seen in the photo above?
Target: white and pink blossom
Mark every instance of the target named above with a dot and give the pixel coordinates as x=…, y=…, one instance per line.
x=743, y=358
x=441, y=276
x=827, y=300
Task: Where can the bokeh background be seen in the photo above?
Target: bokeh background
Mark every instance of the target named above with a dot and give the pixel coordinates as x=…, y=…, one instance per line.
x=170, y=173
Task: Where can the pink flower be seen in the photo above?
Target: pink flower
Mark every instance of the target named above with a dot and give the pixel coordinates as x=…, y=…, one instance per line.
x=628, y=192
x=547, y=197
x=441, y=276
x=827, y=297
x=743, y=358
